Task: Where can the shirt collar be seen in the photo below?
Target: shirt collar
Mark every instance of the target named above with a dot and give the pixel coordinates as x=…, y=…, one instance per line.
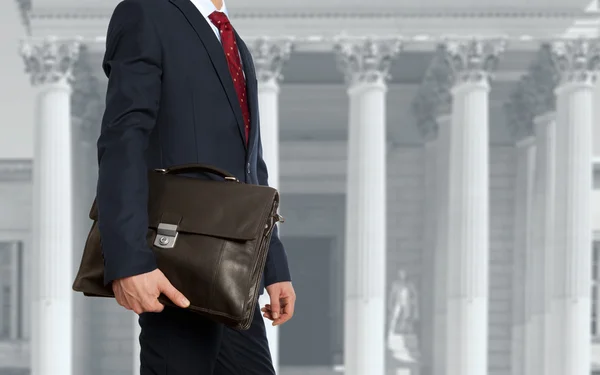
x=206, y=7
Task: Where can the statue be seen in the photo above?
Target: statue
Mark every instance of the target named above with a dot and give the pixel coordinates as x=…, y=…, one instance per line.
x=404, y=315
x=403, y=305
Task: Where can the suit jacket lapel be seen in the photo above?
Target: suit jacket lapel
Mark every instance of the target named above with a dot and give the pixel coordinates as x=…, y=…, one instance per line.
x=216, y=54
x=251, y=86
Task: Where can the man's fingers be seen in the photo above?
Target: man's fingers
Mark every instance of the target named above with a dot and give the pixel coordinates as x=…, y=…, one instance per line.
x=275, y=314
x=290, y=307
x=154, y=306
x=287, y=312
x=173, y=294
x=268, y=316
x=267, y=312
x=137, y=308
x=120, y=297
x=148, y=305
x=275, y=306
x=268, y=308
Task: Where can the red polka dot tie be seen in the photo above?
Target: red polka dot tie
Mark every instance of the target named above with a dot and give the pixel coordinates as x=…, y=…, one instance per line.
x=220, y=20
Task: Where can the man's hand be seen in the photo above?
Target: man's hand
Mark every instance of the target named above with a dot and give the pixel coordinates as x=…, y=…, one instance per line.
x=283, y=300
x=140, y=293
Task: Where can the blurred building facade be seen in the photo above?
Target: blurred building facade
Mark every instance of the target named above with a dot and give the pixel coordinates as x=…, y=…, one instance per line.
x=459, y=142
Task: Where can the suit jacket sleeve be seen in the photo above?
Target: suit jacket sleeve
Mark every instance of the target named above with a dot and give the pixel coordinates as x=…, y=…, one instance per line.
x=132, y=63
x=276, y=268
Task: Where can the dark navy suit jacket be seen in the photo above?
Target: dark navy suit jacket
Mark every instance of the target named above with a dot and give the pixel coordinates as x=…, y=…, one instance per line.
x=170, y=100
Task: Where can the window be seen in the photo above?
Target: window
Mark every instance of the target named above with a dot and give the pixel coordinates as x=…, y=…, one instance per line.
x=11, y=304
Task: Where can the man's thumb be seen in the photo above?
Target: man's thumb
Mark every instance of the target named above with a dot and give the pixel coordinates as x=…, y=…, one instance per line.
x=173, y=294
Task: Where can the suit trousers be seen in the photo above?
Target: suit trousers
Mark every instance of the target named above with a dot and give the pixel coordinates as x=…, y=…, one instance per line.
x=179, y=342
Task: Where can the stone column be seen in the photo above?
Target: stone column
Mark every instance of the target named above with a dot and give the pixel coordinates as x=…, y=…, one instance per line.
x=543, y=79
x=522, y=275
x=269, y=56
x=365, y=64
x=524, y=346
x=431, y=110
x=468, y=241
x=87, y=108
x=440, y=320
x=577, y=62
x=530, y=113
x=49, y=62
x=542, y=233
x=519, y=114
x=426, y=332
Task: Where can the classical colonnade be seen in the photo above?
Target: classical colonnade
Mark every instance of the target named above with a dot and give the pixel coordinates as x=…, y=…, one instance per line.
x=553, y=113
x=554, y=180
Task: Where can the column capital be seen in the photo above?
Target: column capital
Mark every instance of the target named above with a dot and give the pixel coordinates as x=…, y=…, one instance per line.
x=269, y=56
x=49, y=60
x=87, y=100
x=433, y=98
x=519, y=108
x=545, y=78
x=533, y=95
x=366, y=60
x=473, y=60
x=577, y=60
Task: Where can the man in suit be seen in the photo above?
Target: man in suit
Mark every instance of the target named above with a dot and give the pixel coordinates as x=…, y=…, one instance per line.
x=181, y=89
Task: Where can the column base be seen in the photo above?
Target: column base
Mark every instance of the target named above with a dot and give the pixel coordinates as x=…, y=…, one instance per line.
x=574, y=347
x=365, y=338
x=467, y=336
x=52, y=337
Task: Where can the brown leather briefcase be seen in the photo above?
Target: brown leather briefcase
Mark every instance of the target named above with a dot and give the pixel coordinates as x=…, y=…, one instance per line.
x=210, y=239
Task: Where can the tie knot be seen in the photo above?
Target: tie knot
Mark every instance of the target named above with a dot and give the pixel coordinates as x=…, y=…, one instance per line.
x=219, y=19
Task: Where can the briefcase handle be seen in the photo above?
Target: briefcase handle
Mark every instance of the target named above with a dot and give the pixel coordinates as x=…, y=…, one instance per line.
x=198, y=168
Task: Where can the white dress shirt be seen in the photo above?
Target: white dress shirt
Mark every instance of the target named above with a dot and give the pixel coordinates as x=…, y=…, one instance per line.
x=206, y=7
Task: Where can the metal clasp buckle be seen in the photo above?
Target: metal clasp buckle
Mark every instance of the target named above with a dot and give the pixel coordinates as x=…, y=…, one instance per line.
x=166, y=236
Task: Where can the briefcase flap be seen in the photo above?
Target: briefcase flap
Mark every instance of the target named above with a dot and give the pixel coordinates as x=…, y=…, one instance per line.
x=223, y=209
